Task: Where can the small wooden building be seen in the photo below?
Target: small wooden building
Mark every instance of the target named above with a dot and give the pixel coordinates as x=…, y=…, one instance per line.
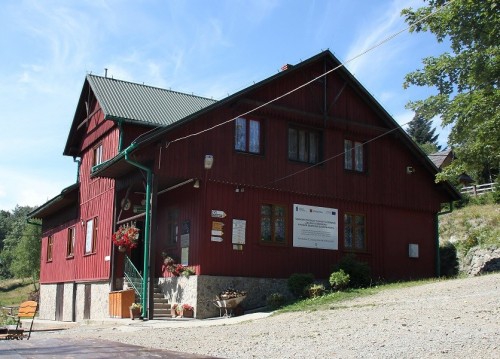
x=286, y=176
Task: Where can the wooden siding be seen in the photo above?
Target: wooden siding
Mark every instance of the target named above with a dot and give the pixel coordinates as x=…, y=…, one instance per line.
x=399, y=207
x=96, y=201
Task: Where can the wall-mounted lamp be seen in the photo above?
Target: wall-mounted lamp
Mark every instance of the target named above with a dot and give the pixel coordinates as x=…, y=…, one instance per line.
x=239, y=189
x=196, y=183
x=209, y=161
x=410, y=170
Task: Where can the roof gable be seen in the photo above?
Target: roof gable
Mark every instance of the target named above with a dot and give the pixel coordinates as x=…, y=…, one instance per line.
x=131, y=102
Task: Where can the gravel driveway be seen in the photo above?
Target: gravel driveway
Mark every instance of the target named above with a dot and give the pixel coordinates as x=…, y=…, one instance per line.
x=447, y=319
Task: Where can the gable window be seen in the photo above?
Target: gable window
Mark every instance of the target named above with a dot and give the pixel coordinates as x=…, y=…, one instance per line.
x=91, y=236
x=50, y=248
x=97, y=160
x=272, y=224
x=354, y=156
x=248, y=135
x=70, y=244
x=304, y=145
x=354, y=232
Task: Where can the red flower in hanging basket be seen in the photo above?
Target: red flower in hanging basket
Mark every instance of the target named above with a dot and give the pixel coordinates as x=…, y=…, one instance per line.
x=126, y=236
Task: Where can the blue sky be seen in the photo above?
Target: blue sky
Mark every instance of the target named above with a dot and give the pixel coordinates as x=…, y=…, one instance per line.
x=206, y=47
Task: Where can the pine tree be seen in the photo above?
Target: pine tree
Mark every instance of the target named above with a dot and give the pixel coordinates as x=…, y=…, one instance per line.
x=422, y=133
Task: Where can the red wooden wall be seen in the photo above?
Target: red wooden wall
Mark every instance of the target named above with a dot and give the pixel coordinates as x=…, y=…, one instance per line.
x=96, y=201
x=399, y=207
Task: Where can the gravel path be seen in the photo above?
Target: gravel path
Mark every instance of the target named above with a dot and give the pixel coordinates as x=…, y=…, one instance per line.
x=446, y=319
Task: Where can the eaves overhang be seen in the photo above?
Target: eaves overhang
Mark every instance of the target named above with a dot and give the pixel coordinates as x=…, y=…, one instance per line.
x=67, y=197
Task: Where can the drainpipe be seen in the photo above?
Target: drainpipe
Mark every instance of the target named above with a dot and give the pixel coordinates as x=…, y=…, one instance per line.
x=145, y=275
x=438, y=259
x=120, y=136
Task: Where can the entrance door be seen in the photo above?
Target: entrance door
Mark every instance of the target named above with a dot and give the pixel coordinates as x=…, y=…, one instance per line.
x=137, y=254
x=87, y=301
x=59, y=301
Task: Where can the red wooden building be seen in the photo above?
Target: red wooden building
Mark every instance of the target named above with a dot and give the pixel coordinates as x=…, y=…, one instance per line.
x=286, y=176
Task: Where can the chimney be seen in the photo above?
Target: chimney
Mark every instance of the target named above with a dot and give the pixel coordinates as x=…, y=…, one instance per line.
x=105, y=72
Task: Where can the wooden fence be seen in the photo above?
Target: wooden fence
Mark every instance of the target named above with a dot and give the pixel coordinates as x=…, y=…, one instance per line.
x=479, y=189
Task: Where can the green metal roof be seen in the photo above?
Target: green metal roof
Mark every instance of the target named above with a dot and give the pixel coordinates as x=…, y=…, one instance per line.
x=141, y=103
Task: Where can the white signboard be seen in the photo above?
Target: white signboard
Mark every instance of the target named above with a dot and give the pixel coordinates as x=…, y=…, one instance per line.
x=239, y=226
x=315, y=227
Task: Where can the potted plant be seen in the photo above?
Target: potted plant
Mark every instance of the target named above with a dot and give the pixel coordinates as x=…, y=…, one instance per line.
x=126, y=237
x=135, y=311
x=187, y=311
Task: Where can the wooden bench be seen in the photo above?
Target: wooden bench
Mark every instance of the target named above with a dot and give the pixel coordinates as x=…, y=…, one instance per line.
x=27, y=310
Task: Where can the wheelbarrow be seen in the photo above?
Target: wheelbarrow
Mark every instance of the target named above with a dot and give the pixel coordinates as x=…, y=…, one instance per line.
x=227, y=306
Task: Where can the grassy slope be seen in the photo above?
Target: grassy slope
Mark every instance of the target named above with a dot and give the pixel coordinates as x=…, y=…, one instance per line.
x=470, y=226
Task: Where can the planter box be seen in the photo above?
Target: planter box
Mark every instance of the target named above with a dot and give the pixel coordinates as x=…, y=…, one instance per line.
x=120, y=302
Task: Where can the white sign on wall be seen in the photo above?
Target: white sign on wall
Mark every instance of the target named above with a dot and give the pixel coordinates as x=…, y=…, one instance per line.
x=315, y=227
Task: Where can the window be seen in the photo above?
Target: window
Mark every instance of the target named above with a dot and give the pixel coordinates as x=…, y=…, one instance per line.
x=50, y=248
x=172, y=226
x=272, y=224
x=354, y=232
x=247, y=136
x=97, y=160
x=353, y=156
x=91, y=236
x=70, y=244
x=304, y=145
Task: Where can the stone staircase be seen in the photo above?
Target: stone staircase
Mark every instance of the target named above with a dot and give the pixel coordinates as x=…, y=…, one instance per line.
x=161, y=306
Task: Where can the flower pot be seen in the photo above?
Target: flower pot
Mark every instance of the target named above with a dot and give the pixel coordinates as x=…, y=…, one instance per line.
x=187, y=313
x=135, y=313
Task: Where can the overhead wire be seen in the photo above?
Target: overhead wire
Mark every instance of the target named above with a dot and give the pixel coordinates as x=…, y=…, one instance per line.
x=382, y=42
x=387, y=39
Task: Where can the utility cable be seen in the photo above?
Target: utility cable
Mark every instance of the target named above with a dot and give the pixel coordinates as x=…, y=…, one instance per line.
x=387, y=39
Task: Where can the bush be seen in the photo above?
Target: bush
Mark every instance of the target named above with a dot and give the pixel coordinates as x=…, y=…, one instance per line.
x=298, y=282
x=448, y=260
x=275, y=300
x=359, y=272
x=315, y=290
x=339, y=280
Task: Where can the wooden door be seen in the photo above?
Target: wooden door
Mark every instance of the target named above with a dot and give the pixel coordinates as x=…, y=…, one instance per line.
x=87, y=301
x=59, y=301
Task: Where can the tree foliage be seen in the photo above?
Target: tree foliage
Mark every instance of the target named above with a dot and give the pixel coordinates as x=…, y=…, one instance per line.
x=466, y=79
x=20, y=253
x=422, y=133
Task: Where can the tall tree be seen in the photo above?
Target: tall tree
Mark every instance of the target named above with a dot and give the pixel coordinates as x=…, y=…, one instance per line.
x=17, y=226
x=423, y=134
x=466, y=80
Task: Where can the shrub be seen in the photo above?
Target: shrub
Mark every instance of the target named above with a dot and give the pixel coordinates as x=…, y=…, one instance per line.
x=339, y=280
x=315, y=290
x=448, y=260
x=298, y=282
x=275, y=300
x=359, y=272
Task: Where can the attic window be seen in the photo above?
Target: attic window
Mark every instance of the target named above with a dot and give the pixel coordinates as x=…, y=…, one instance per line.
x=304, y=145
x=248, y=135
x=354, y=156
x=97, y=160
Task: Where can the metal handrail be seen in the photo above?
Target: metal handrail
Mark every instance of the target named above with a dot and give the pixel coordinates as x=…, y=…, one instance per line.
x=134, y=278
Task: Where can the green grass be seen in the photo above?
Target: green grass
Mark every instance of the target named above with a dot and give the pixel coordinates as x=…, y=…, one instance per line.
x=335, y=299
x=12, y=293
x=471, y=226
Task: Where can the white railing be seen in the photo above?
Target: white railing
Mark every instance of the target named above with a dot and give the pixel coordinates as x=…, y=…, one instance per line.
x=478, y=190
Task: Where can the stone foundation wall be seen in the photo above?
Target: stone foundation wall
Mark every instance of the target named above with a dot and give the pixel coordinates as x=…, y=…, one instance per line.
x=200, y=291
x=68, y=302
x=481, y=260
x=47, y=304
